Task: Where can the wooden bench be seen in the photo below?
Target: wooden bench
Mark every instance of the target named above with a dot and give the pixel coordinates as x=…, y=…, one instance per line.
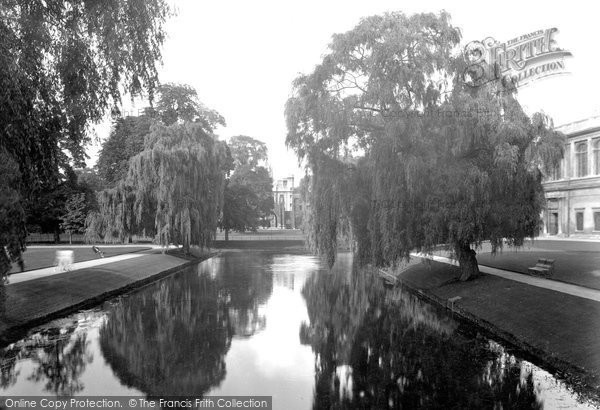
x=543, y=267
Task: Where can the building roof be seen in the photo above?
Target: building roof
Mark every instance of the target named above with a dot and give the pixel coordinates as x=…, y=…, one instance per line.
x=580, y=127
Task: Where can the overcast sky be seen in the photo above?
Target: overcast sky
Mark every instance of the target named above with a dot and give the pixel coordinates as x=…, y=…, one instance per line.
x=242, y=56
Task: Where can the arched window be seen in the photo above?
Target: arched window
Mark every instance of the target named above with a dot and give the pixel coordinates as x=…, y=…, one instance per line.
x=581, y=158
x=596, y=155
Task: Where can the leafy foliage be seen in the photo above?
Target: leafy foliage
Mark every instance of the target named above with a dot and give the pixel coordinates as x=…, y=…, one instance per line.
x=12, y=215
x=125, y=140
x=240, y=212
x=45, y=215
x=248, y=198
x=63, y=63
x=179, y=103
x=73, y=220
x=406, y=157
x=96, y=48
x=173, y=188
x=165, y=171
x=247, y=151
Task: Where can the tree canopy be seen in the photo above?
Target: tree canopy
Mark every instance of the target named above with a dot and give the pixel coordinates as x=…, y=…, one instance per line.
x=125, y=140
x=63, y=64
x=173, y=188
x=404, y=156
x=165, y=172
x=176, y=103
x=179, y=103
x=99, y=50
x=73, y=220
x=248, y=197
x=12, y=215
x=247, y=151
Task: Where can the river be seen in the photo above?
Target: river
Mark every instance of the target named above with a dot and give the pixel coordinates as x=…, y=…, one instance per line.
x=281, y=325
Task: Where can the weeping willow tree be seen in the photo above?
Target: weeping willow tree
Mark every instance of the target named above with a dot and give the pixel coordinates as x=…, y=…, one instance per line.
x=407, y=155
x=173, y=189
x=63, y=65
x=114, y=221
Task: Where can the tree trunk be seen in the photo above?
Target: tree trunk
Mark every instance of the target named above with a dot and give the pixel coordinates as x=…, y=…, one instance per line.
x=226, y=235
x=467, y=261
x=56, y=236
x=70, y=238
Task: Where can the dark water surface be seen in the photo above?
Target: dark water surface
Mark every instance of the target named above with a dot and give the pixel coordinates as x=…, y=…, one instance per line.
x=283, y=326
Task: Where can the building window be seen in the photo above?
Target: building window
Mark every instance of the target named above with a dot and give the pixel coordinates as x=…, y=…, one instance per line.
x=555, y=173
x=596, y=220
x=596, y=155
x=579, y=221
x=553, y=223
x=581, y=158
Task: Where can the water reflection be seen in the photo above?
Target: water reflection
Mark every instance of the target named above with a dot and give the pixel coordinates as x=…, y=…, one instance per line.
x=273, y=362
x=247, y=290
x=278, y=325
x=58, y=356
x=171, y=338
x=376, y=349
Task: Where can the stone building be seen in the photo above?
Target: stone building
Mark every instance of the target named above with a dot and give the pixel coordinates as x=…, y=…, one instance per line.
x=573, y=191
x=288, y=206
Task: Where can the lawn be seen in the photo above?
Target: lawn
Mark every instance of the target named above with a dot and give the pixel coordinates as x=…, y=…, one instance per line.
x=572, y=266
x=43, y=257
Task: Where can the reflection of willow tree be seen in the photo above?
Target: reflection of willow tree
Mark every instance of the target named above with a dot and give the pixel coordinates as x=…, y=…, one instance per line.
x=247, y=291
x=8, y=362
x=8, y=373
x=60, y=356
x=61, y=364
x=396, y=352
x=344, y=300
x=171, y=338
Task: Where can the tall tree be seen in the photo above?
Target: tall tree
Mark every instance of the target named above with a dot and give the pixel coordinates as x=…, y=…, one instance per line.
x=176, y=183
x=179, y=103
x=176, y=103
x=240, y=210
x=89, y=182
x=44, y=215
x=12, y=217
x=63, y=63
x=373, y=115
x=248, y=151
x=125, y=140
x=248, y=198
x=75, y=213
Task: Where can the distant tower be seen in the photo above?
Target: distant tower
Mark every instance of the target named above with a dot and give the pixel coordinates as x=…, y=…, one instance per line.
x=283, y=198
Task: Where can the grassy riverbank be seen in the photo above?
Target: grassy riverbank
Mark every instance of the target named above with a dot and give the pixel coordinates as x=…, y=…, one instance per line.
x=30, y=303
x=558, y=329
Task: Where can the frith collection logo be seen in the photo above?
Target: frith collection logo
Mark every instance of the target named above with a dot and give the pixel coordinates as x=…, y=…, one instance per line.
x=516, y=62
